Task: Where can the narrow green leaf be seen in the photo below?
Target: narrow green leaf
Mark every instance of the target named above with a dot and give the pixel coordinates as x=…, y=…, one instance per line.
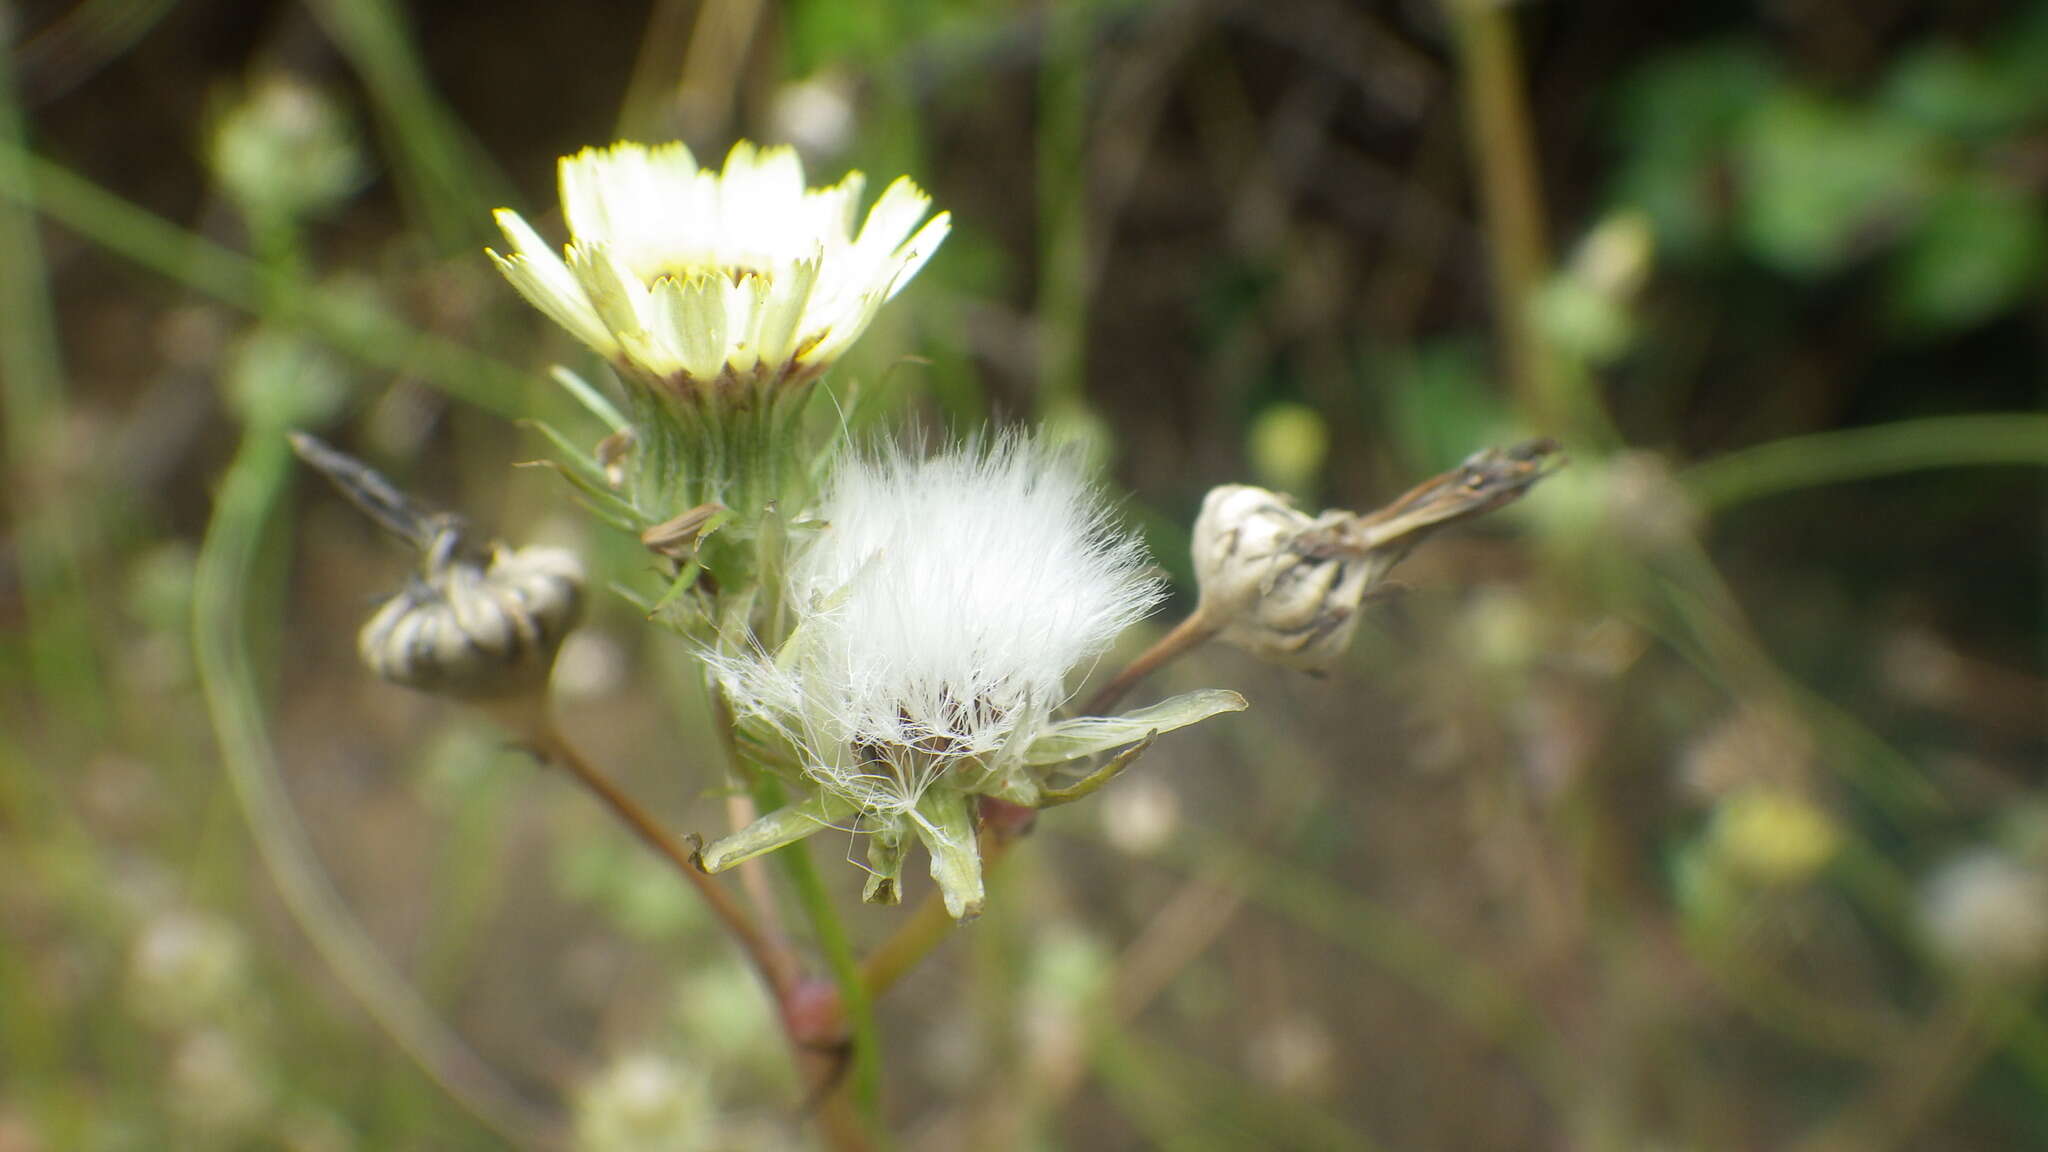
x=1073, y=739
x=778, y=829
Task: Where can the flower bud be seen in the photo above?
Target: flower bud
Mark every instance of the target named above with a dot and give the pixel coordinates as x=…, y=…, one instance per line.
x=1287, y=586
x=476, y=626
x=1271, y=580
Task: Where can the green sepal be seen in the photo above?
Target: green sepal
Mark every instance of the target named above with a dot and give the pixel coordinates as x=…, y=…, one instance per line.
x=585, y=394
x=582, y=472
x=1050, y=797
x=885, y=865
x=684, y=579
x=778, y=829
x=945, y=822
x=1088, y=735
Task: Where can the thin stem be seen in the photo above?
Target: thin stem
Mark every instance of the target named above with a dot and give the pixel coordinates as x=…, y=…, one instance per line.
x=913, y=940
x=1185, y=637
x=843, y=1127
x=753, y=874
x=2006, y=439
x=773, y=961
x=447, y=179
x=364, y=332
x=1510, y=193
x=741, y=810
x=777, y=966
x=856, y=1008
x=49, y=518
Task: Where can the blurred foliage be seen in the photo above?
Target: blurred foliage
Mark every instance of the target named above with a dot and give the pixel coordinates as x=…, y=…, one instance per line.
x=1694, y=804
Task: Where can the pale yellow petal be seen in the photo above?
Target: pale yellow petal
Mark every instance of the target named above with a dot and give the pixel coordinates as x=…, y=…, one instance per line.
x=546, y=282
x=783, y=316
x=694, y=313
x=918, y=249
x=838, y=205
x=900, y=207
x=572, y=312
x=746, y=303
x=625, y=307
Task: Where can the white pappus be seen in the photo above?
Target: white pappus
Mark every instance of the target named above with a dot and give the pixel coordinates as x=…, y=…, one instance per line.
x=939, y=612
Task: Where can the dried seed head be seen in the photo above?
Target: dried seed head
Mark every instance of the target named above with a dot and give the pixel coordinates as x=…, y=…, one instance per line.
x=477, y=622
x=1276, y=581
x=1287, y=586
x=477, y=626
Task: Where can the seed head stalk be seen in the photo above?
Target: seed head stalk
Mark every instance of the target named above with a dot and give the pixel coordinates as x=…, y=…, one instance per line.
x=853, y=1003
x=812, y=1036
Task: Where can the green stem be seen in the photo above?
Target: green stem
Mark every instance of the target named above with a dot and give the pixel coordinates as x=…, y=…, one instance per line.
x=352, y=328
x=48, y=518
x=2008, y=439
x=1510, y=194
x=830, y=931
x=1062, y=190
x=445, y=176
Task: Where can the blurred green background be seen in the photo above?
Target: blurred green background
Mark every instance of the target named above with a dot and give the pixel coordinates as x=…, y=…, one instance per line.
x=1697, y=803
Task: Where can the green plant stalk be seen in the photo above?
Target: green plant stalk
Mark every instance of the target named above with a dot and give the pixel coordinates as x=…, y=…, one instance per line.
x=371, y=337
x=2005, y=439
x=446, y=177
x=1511, y=198
x=37, y=1049
x=62, y=651
x=1062, y=190
x=248, y=498
x=816, y=904
x=1717, y=638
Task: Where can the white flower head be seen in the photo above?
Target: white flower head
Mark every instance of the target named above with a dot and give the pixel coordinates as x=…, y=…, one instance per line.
x=688, y=277
x=941, y=610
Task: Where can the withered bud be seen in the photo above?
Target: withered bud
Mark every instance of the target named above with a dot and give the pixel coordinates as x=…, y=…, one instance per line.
x=612, y=453
x=1271, y=581
x=677, y=538
x=477, y=626
x=1287, y=586
x=476, y=621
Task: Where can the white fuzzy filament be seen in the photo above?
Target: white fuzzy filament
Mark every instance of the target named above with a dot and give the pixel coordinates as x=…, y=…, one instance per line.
x=941, y=610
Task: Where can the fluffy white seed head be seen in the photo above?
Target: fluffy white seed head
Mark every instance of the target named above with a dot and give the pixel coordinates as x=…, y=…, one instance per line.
x=941, y=609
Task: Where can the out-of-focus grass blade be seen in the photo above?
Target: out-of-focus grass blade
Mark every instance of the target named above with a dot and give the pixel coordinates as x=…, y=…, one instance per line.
x=371, y=336
x=1976, y=441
